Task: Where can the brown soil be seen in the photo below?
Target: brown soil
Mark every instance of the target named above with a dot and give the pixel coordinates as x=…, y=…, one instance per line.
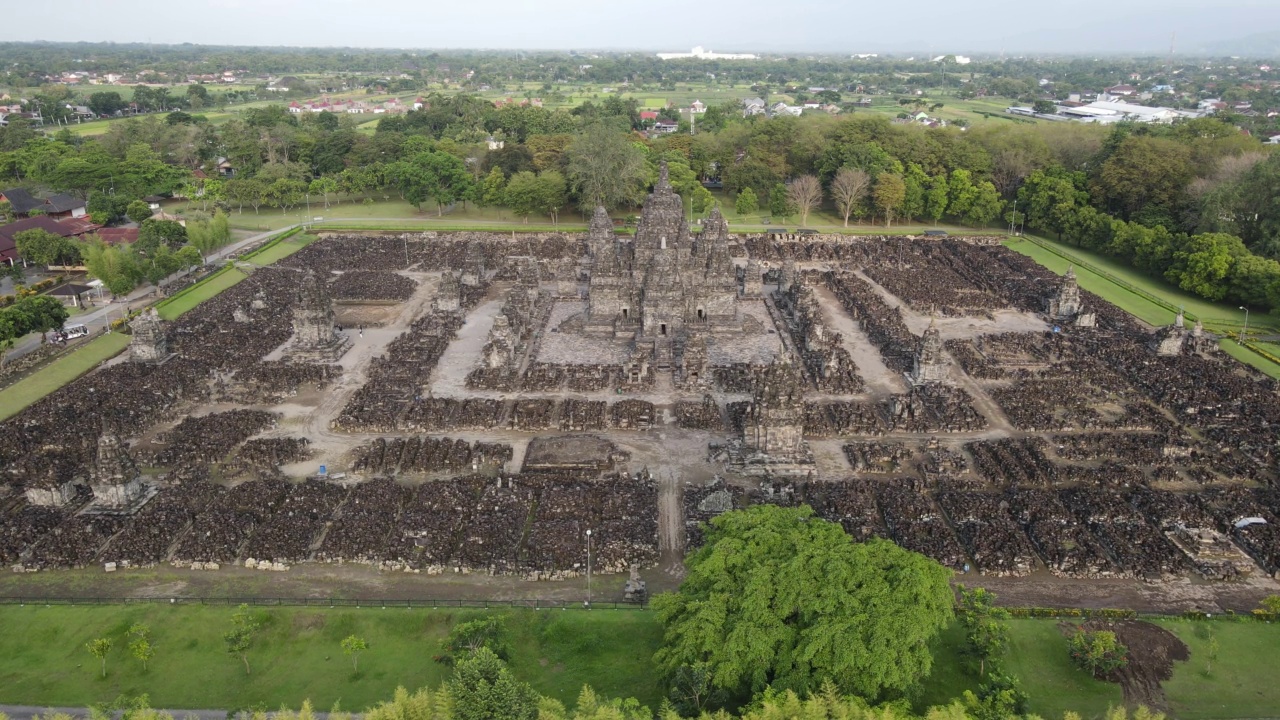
x=1152, y=653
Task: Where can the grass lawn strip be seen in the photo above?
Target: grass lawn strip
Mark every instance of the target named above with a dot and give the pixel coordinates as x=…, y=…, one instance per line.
x=1239, y=683
x=281, y=250
x=297, y=655
x=175, y=306
x=60, y=372
x=1150, y=312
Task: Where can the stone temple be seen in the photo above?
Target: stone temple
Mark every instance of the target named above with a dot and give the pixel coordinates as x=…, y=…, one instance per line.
x=1066, y=306
x=314, y=336
x=666, y=285
x=149, y=343
x=930, y=364
x=114, y=477
x=772, y=441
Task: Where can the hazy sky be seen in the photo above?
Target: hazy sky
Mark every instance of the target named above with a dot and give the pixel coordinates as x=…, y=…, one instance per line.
x=1087, y=26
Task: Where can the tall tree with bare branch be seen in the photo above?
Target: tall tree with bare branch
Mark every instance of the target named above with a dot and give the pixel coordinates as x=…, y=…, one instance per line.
x=805, y=193
x=848, y=190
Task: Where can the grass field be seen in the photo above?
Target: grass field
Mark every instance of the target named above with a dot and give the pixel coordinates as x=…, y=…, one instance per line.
x=1211, y=312
x=1229, y=686
x=297, y=656
x=398, y=210
x=282, y=249
x=1249, y=357
x=186, y=300
x=59, y=373
x=1219, y=317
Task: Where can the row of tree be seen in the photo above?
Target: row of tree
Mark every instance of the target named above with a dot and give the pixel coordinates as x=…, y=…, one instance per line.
x=1194, y=178
x=1213, y=265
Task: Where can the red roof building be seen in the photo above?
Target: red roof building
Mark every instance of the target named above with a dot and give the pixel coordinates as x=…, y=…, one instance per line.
x=118, y=235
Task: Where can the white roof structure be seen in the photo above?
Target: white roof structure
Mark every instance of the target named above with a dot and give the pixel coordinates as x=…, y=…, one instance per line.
x=703, y=54
x=1111, y=111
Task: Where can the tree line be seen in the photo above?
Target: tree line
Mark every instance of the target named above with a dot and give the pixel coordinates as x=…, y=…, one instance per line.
x=1188, y=202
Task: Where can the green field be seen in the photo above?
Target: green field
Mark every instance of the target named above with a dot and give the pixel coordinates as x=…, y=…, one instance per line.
x=193, y=296
x=59, y=373
x=281, y=250
x=297, y=656
x=1218, y=317
x=401, y=213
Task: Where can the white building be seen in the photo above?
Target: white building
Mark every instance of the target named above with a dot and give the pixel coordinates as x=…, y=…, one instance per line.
x=702, y=53
x=1104, y=111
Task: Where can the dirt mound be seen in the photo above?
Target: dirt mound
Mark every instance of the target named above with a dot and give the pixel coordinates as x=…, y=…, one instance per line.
x=1152, y=653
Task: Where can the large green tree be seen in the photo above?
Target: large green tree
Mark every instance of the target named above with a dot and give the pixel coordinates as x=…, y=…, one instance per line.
x=1145, y=178
x=779, y=598
x=605, y=168
x=1203, y=265
x=42, y=247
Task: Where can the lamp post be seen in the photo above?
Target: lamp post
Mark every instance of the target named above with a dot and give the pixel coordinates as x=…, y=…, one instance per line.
x=588, y=568
x=1244, y=329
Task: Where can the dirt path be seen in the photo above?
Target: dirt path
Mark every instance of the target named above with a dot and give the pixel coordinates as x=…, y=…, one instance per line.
x=960, y=327
x=881, y=381
x=671, y=524
x=997, y=421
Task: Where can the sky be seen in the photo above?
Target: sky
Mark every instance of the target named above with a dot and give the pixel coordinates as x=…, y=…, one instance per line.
x=795, y=26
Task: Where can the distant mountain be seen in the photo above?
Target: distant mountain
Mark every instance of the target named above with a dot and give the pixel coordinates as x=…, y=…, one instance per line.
x=1259, y=45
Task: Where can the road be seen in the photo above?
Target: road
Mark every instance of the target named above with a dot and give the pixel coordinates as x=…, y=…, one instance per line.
x=98, y=319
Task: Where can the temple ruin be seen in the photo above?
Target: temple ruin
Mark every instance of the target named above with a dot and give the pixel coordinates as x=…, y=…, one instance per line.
x=315, y=338
x=114, y=477
x=930, y=364
x=149, y=343
x=1066, y=306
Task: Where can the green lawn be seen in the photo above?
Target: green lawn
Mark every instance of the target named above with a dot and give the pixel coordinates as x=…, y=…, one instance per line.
x=193, y=296
x=1218, y=317
x=282, y=249
x=1239, y=683
x=1211, y=312
x=1038, y=656
x=60, y=372
x=394, y=213
x=298, y=657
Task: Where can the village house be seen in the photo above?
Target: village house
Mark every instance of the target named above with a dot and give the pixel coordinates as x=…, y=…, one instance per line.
x=56, y=206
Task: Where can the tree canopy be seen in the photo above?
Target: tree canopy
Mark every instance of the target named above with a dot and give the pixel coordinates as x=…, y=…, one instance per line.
x=779, y=598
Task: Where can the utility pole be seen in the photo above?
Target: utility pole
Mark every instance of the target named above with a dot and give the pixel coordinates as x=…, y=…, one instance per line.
x=588, y=568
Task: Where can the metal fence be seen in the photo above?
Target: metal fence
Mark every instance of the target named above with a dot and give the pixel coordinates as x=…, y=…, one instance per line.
x=377, y=603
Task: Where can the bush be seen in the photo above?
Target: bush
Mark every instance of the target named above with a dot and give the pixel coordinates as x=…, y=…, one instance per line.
x=466, y=638
x=1098, y=652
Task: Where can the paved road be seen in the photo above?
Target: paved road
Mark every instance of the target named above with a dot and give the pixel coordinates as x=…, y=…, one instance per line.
x=98, y=318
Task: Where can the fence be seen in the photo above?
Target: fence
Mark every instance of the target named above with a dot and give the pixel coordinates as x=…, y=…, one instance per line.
x=543, y=604
x=1079, y=262
x=381, y=603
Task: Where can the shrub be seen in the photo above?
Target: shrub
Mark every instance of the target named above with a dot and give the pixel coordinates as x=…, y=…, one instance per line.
x=1098, y=652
